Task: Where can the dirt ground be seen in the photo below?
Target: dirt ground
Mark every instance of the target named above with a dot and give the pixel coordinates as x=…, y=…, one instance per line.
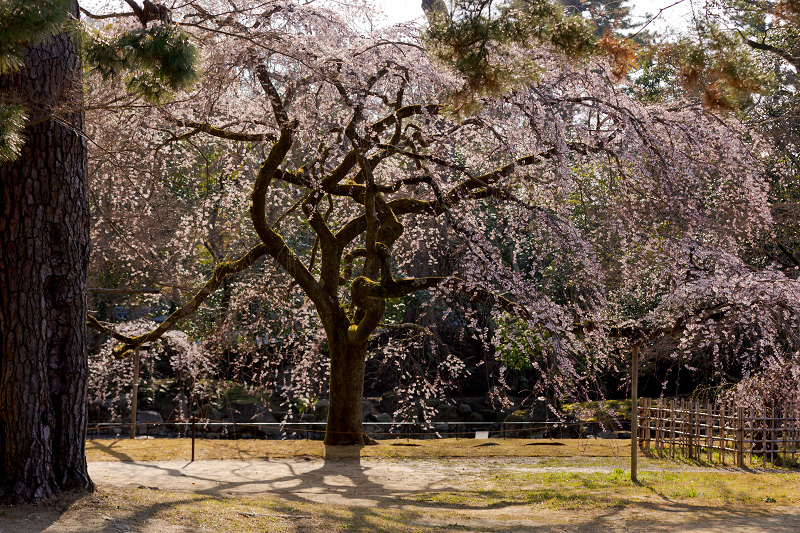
x=353, y=493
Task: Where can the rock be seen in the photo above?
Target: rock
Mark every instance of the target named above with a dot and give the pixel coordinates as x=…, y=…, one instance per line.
x=490, y=415
x=244, y=411
x=148, y=417
x=384, y=417
x=145, y=417
x=540, y=411
x=208, y=412
x=173, y=408
x=475, y=417
x=389, y=402
x=366, y=409
x=280, y=415
x=463, y=409
x=272, y=432
x=516, y=425
x=320, y=409
x=447, y=413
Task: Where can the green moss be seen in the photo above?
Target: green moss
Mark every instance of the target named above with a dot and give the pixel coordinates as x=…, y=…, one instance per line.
x=605, y=410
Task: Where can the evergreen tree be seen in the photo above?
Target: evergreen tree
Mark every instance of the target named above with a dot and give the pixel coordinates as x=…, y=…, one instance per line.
x=44, y=238
x=44, y=223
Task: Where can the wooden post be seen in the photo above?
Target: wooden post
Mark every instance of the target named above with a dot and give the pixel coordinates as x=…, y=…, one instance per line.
x=783, y=435
x=690, y=429
x=672, y=428
x=660, y=427
x=647, y=405
x=134, y=392
x=740, y=436
x=722, y=433
x=634, y=411
x=193, y=420
x=709, y=432
x=764, y=439
x=697, y=441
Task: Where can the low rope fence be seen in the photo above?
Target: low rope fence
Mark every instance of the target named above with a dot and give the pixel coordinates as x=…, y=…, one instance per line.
x=720, y=431
x=202, y=428
x=196, y=428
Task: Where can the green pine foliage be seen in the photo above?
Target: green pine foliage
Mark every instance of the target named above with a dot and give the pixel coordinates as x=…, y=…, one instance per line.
x=22, y=23
x=157, y=60
x=12, y=121
x=471, y=35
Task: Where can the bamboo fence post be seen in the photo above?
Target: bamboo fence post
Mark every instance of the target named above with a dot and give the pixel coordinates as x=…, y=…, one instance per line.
x=662, y=427
x=645, y=414
x=634, y=410
x=698, y=441
x=773, y=430
x=740, y=436
x=689, y=429
x=655, y=426
x=673, y=434
x=783, y=435
x=795, y=423
x=751, y=439
x=764, y=439
x=649, y=404
x=722, y=433
x=709, y=432
x=679, y=421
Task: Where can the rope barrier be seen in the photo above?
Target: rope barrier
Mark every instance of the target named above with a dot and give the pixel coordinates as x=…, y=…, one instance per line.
x=204, y=423
x=191, y=424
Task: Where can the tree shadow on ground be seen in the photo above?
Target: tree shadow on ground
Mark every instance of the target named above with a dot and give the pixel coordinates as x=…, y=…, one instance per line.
x=345, y=492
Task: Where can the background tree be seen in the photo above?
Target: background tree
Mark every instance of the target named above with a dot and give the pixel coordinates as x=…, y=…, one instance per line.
x=740, y=57
x=353, y=161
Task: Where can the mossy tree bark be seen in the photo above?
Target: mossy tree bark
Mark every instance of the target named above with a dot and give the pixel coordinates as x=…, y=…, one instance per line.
x=346, y=393
x=44, y=252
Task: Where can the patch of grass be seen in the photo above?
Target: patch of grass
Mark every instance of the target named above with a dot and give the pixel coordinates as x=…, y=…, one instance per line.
x=181, y=449
x=498, y=489
x=506, y=482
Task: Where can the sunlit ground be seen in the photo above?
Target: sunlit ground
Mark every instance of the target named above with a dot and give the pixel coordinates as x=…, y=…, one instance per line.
x=496, y=485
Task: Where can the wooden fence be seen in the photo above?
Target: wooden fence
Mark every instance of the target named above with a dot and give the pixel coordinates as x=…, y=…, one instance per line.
x=720, y=432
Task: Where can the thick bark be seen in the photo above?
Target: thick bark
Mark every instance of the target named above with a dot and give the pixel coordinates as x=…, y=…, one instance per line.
x=44, y=250
x=346, y=394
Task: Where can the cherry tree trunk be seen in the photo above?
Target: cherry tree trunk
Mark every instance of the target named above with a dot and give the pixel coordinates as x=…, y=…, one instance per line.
x=346, y=395
x=44, y=251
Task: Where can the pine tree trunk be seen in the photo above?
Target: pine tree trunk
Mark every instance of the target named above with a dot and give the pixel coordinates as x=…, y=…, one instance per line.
x=44, y=251
x=346, y=395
